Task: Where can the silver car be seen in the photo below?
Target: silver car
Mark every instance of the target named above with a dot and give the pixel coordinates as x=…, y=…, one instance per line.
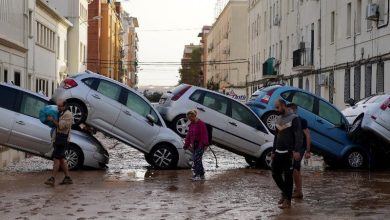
x=21, y=129
x=123, y=113
x=234, y=126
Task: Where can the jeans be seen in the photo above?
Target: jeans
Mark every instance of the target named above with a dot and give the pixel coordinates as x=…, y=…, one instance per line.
x=197, y=158
x=282, y=166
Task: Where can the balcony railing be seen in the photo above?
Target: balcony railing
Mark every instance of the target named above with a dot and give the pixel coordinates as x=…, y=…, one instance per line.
x=303, y=60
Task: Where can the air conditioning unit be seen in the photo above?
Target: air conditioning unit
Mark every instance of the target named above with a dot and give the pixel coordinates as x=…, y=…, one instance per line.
x=323, y=80
x=276, y=20
x=372, y=12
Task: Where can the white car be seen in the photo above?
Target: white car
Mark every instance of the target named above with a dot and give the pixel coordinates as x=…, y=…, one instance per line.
x=123, y=113
x=234, y=126
x=371, y=114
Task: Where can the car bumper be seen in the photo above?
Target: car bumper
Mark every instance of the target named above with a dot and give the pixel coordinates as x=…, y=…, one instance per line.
x=373, y=126
x=166, y=112
x=96, y=160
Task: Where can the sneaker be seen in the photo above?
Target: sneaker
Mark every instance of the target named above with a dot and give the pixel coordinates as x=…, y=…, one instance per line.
x=281, y=200
x=297, y=195
x=67, y=181
x=50, y=182
x=286, y=204
x=196, y=178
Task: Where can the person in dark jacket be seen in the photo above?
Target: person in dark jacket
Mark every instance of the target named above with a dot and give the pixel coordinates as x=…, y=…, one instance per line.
x=286, y=148
x=197, y=141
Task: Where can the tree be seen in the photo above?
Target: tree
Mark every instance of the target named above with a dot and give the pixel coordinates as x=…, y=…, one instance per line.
x=190, y=72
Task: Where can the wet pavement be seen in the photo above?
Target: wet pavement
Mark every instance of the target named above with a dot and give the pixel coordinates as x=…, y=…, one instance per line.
x=129, y=189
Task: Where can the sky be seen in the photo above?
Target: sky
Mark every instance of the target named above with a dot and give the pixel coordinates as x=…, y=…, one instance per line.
x=155, y=17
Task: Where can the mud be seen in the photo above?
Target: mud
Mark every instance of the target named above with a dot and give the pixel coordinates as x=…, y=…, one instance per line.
x=129, y=189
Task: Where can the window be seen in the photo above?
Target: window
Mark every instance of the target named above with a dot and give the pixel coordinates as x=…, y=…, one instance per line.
x=332, y=27
x=300, y=82
x=196, y=96
x=17, y=78
x=109, y=90
x=287, y=96
x=243, y=115
x=329, y=113
x=216, y=102
x=5, y=76
x=137, y=104
x=358, y=25
x=45, y=36
x=287, y=47
x=347, y=85
x=89, y=81
x=369, y=22
x=30, y=23
x=319, y=33
x=31, y=105
x=382, y=12
x=380, y=77
x=58, y=48
x=8, y=97
x=357, y=81
x=304, y=100
x=349, y=18
x=368, y=80
x=42, y=85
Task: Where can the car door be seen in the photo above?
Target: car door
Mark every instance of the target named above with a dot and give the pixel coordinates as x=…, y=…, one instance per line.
x=7, y=112
x=331, y=129
x=246, y=133
x=28, y=132
x=104, y=105
x=213, y=110
x=132, y=124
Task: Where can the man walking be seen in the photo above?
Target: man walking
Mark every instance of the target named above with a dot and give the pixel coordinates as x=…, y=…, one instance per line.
x=60, y=139
x=305, y=153
x=287, y=145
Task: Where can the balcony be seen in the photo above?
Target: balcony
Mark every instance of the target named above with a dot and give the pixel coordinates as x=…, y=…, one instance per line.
x=303, y=60
x=269, y=70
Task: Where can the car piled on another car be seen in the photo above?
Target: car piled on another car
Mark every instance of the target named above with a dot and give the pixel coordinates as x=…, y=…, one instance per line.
x=123, y=113
x=329, y=128
x=234, y=126
x=21, y=129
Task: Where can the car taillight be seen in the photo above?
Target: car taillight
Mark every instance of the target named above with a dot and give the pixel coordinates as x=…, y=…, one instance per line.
x=69, y=83
x=385, y=105
x=267, y=96
x=180, y=94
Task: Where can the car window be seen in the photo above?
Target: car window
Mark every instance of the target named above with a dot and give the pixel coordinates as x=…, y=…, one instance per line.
x=303, y=100
x=137, y=104
x=154, y=114
x=109, y=89
x=242, y=114
x=88, y=81
x=287, y=96
x=216, y=102
x=329, y=113
x=196, y=96
x=31, y=105
x=8, y=97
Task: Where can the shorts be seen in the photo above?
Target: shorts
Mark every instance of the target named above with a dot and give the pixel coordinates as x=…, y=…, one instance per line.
x=59, y=152
x=297, y=164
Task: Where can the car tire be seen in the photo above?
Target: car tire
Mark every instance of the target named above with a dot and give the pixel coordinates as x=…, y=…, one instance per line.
x=355, y=159
x=252, y=162
x=149, y=159
x=269, y=120
x=164, y=157
x=356, y=130
x=180, y=125
x=266, y=159
x=78, y=111
x=74, y=157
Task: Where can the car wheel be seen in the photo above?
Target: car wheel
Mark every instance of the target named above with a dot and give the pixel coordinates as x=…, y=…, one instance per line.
x=356, y=130
x=355, y=159
x=251, y=161
x=266, y=159
x=269, y=120
x=78, y=111
x=180, y=125
x=148, y=159
x=164, y=157
x=74, y=157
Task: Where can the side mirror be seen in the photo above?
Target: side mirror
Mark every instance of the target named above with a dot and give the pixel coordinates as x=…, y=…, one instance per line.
x=351, y=102
x=151, y=119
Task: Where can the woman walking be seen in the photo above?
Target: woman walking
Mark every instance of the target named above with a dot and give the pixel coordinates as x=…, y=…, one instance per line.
x=197, y=141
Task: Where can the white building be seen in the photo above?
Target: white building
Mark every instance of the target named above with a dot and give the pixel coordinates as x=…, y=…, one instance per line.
x=47, y=48
x=227, y=44
x=13, y=55
x=327, y=47
x=76, y=11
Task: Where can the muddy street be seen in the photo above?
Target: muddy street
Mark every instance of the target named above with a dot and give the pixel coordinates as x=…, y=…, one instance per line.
x=129, y=189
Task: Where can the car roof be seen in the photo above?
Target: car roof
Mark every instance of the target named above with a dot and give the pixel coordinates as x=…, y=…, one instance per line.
x=25, y=90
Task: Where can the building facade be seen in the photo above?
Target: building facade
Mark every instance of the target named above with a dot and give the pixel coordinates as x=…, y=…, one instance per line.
x=203, y=42
x=327, y=47
x=130, y=49
x=227, y=44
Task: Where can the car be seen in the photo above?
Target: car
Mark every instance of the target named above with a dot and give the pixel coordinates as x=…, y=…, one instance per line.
x=329, y=127
x=21, y=129
x=233, y=125
x=123, y=113
x=370, y=114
